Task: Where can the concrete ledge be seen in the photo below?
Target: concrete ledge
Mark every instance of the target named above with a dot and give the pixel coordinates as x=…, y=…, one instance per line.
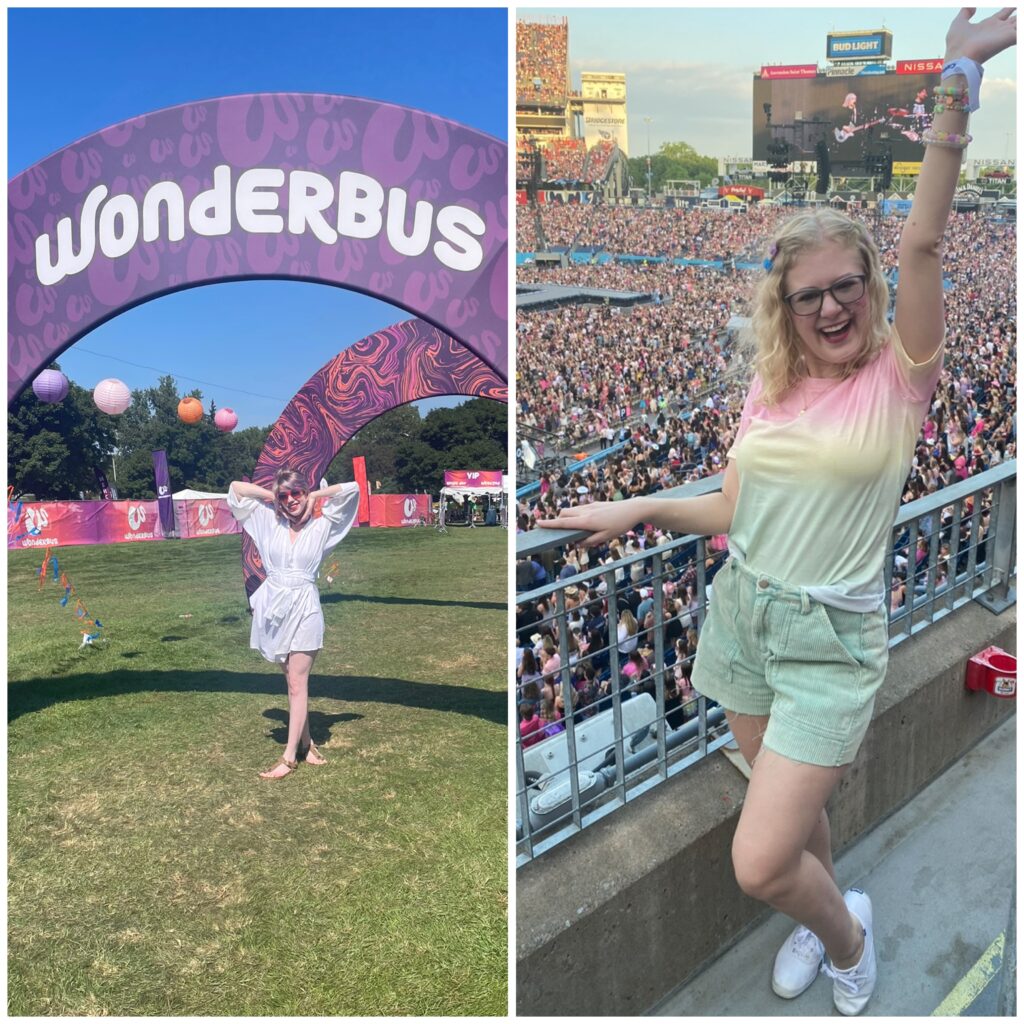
x=614, y=919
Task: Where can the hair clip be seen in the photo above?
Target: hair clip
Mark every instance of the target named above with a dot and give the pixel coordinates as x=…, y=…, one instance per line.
x=772, y=253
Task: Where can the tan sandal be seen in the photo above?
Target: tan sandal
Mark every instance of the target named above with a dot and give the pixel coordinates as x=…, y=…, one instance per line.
x=315, y=750
x=290, y=765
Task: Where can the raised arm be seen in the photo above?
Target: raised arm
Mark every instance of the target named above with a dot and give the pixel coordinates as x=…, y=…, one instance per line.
x=919, y=302
x=246, y=490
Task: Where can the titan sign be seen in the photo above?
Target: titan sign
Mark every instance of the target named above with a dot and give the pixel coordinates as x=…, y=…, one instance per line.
x=385, y=200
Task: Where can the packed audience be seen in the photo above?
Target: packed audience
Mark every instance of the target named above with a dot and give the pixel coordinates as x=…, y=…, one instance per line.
x=564, y=159
x=599, y=160
x=661, y=381
x=542, y=63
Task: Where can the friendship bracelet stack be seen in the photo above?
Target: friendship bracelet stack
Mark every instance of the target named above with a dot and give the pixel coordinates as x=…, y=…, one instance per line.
x=950, y=98
x=960, y=98
x=947, y=140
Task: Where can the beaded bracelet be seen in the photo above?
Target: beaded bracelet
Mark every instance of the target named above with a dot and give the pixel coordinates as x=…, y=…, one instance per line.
x=950, y=98
x=949, y=140
x=972, y=71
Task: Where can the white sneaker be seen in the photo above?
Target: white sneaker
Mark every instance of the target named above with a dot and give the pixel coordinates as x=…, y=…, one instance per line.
x=797, y=963
x=852, y=988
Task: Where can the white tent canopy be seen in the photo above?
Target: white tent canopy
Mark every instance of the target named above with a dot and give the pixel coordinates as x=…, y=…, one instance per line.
x=189, y=495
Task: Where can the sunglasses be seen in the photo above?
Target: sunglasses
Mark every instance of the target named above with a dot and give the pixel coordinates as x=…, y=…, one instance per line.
x=285, y=495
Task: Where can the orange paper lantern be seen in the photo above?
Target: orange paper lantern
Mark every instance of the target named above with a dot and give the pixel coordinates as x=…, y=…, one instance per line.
x=190, y=410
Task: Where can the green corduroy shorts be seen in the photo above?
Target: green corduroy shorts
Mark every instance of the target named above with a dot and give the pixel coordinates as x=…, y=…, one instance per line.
x=768, y=648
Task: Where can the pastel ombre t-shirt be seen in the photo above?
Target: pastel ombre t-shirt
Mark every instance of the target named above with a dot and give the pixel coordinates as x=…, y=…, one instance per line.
x=821, y=476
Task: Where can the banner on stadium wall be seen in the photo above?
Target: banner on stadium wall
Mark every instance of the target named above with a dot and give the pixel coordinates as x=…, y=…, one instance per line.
x=746, y=191
x=850, y=46
x=907, y=168
x=479, y=478
x=605, y=122
x=919, y=67
x=205, y=517
x=789, y=71
x=399, y=509
x=520, y=197
x=59, y=523
x=851, y=70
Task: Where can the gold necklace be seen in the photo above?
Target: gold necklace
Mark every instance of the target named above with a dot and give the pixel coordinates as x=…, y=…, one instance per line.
x=810, y=403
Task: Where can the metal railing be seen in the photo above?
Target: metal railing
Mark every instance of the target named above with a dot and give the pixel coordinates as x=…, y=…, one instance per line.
x=625, y=729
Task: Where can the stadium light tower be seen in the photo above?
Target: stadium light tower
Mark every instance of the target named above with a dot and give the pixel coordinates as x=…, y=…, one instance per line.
x=647, y=121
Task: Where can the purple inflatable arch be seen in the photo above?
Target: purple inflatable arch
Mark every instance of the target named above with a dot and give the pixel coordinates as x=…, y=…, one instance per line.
x=377, y=198
x=402, y=363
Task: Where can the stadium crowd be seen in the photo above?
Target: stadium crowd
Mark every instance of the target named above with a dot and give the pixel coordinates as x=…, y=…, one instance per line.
x=662, y=381
x=542, y=63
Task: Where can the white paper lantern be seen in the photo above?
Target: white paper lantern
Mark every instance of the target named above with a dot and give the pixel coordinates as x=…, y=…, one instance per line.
x=112, y=396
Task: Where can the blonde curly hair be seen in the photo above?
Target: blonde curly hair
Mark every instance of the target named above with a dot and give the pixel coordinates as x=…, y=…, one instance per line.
x=772, y=338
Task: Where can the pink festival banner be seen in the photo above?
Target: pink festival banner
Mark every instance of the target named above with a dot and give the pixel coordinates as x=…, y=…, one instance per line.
x=205, y=517
x=58, y=523
x=399, y=509
x=488, y=478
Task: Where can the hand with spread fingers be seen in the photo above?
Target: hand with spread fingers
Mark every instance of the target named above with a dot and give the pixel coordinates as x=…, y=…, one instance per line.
x=982, y=41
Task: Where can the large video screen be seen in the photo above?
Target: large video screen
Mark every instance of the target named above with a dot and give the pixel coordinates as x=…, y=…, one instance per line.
x=854, y=114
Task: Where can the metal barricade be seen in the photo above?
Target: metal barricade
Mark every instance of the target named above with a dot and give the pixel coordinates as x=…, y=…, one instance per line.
x=629, y=722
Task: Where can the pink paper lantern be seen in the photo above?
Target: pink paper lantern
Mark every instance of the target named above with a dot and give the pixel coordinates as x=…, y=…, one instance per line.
x=225, y=420
x=112, y=396
x=50, y=386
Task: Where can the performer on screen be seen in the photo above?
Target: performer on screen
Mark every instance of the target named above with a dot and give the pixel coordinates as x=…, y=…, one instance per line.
x=287, y=621
x=795, y=644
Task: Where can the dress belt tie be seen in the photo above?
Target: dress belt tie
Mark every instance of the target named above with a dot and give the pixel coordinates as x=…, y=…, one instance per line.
x=284, y=583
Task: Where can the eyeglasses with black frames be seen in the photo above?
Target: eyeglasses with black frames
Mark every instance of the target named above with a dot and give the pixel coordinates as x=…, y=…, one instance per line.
x=808, y=301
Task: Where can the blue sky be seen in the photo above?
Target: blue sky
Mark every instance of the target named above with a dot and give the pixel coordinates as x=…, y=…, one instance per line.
x=73, y=72
x=691, y=69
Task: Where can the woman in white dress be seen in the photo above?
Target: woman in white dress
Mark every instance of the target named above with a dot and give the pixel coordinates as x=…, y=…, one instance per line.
x=287, y=622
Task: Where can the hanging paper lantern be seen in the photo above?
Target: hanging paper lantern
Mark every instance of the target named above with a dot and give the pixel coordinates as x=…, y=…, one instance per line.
x=112, y=396
x=190, y=410
x=50, y=386
x=225, y=420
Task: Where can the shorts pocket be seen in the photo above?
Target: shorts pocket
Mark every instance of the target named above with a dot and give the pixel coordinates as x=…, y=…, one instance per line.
x=844, y=630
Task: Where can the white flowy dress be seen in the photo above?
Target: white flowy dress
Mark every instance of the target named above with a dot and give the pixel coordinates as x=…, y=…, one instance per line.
x=286, y=613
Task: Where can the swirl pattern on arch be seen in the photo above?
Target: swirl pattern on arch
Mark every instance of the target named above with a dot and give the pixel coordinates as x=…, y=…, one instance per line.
x=405, y=362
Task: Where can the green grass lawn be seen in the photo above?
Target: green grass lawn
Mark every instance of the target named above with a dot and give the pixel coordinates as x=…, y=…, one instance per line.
x=152, y=872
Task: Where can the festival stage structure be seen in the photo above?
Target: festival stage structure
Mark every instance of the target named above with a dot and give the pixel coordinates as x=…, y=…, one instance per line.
x=384, y=200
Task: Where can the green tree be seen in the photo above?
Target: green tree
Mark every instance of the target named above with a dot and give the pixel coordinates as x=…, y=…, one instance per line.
x=199, y=456
x=378, y=442
x=53, y=450
x=674, y=161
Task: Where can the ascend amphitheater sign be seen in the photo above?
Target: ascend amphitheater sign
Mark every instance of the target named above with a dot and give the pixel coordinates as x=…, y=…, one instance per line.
x=385, y=200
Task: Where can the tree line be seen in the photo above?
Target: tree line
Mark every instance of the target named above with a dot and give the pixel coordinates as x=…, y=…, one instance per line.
x=54, y=451
x=674, y=161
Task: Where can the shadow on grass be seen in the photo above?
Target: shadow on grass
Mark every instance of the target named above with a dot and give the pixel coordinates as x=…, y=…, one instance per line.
x=31, y=695
x=337, y=598
x=319, y=725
